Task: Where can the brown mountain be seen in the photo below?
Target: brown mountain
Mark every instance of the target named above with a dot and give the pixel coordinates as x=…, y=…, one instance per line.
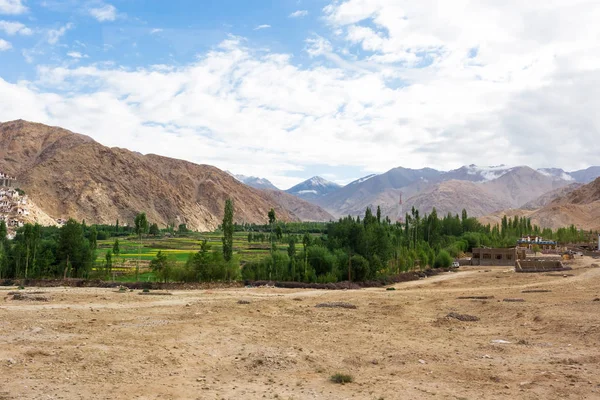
x=70, y=175
x=549, y=197
x=521, y=185
x=579, y=207
x=453, y=196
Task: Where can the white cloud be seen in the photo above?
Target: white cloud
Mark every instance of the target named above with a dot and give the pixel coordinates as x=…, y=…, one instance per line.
x=12, y=7
x=54, y=35
x=76, y=54
x=298, y=14
x=409, y=86
x=107, y=12
x=13, y=28
x=4, y=45
x=259, y=27
x=155, y=30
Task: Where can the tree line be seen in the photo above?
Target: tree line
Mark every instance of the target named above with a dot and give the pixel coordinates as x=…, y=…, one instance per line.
x=351, y=248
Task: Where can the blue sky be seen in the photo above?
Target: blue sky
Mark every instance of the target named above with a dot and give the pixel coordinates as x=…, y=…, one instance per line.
x=289, y=89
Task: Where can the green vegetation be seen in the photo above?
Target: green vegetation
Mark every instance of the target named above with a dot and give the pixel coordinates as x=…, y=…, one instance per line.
x=356, y=249
x=341, y=378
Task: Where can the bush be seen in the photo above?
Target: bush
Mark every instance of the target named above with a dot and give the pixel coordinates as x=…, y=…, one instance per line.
x=341, y=378
x=443, y=260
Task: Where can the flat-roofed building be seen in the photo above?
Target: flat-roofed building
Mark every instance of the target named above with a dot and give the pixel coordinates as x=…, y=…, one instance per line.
x=494, y=256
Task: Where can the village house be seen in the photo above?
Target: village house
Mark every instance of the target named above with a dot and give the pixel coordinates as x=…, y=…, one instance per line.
x=486, y=256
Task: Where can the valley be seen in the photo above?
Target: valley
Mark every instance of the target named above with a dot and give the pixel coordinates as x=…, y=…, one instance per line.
x=95, y=343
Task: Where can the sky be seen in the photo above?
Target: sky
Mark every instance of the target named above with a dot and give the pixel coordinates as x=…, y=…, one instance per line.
x=289, y=89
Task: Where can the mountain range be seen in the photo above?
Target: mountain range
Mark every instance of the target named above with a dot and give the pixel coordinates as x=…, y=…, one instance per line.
x=71, y=175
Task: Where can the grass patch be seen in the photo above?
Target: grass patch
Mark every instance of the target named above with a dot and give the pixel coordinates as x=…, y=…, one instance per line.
x=341, y=378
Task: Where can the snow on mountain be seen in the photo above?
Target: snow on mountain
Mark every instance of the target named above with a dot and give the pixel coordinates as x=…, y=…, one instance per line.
x=475, y=173
x=556, y=173
x=363, y=179
x=313, y=188
x=253, y=181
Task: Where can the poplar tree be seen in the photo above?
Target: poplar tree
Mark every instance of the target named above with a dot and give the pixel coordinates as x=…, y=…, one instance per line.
x=228, y=231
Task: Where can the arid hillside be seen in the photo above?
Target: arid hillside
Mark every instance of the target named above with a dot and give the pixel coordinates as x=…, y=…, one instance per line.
x=454, y=196
x=70, y=175
x=579, y=207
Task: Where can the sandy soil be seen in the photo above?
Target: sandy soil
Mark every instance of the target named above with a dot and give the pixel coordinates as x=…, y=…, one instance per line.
x=101, y=344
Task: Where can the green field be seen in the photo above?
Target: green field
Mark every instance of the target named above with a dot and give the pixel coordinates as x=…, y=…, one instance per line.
x=177, y=248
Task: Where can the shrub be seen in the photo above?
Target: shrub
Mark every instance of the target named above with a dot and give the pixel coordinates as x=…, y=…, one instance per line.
x=443, y=260
x=341, y=378
x=146, y=290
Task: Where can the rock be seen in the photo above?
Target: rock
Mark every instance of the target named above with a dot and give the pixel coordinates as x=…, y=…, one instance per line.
x=500, y=341
x=421, y=361
x=462, y=317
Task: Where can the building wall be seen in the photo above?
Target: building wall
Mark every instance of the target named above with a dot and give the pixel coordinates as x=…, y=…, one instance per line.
x=491, y=257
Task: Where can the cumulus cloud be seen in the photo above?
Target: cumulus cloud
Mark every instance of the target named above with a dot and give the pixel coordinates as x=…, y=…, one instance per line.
x=395, y=84
x=12, y=7
x=299, y=14
x=107, y=12
x=259, y=27
x=13, y=28
x=54, y=35
x=4, y=45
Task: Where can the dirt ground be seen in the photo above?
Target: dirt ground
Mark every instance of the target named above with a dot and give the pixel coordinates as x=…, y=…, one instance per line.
x=102, y=344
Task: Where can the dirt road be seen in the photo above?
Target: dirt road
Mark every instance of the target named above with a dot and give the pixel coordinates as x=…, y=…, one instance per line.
x=102, y=344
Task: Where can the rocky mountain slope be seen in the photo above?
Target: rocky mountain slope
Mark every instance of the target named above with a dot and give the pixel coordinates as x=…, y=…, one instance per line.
x=521, y=185
x=71, y=175
x=255, y=182
x=378, y=190
x=454, y=196
x=313, y=188
x=500, y=186
x=579, y=207
x=300, y=208
x=550, y=196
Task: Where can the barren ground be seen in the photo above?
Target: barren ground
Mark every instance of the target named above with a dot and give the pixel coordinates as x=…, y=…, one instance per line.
x=102, y=344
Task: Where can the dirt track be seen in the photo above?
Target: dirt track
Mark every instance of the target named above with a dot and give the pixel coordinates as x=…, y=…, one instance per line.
x=100, y=344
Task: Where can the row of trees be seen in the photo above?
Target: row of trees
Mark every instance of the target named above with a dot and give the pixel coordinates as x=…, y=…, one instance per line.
x=350, y=248
x=372, y=247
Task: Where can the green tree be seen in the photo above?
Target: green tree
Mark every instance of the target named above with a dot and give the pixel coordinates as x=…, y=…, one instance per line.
x=272, y=216
x=161, y=266
x=443, y=260
x=141, y=224
x=116, y=248
x=153, y=230
x=228, y=231
x=305, y=244
x=141, y=227
x=73, y=250
x=108, y=262
x=3, y=230
x=93, y=237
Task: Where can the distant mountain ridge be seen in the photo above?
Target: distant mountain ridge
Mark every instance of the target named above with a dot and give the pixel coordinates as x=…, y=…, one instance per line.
x=255, y=182
x=313, y=188
x=498, y=186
